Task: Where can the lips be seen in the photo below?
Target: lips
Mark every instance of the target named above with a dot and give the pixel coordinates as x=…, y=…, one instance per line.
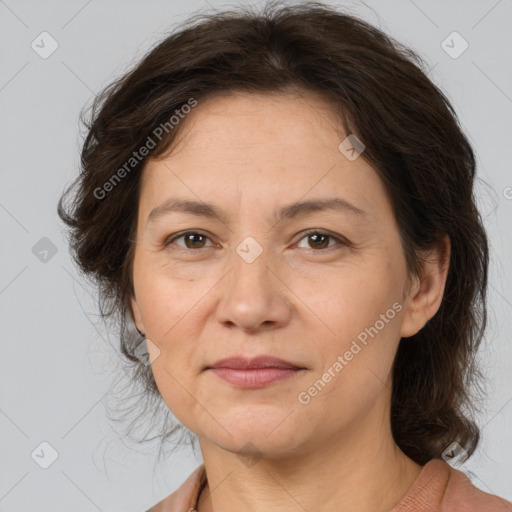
x=254, y=373
x=242, y=363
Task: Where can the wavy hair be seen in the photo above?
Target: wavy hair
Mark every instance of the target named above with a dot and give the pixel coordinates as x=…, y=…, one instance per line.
x=382, y=93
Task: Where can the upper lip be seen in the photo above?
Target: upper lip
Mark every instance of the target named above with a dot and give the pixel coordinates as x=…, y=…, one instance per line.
x=246, y=363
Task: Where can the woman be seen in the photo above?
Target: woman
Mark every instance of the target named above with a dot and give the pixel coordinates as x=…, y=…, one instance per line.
x=282, y=203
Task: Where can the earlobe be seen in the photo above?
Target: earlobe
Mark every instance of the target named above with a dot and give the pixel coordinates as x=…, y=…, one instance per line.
x=427, y=293
x=411, y=320
x=137, y=317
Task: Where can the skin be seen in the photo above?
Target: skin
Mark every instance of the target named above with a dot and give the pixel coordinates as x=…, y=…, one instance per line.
x=303, y=299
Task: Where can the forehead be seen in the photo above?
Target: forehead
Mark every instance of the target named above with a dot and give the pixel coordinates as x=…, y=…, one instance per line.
x=253, y=119
x=262, y=149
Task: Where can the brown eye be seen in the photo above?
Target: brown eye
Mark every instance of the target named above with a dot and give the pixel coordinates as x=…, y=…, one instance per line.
x=191, y=239
x=320, y=240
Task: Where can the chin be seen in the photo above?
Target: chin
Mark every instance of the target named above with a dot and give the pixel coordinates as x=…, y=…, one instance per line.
x=250, y=448
x=257, y=433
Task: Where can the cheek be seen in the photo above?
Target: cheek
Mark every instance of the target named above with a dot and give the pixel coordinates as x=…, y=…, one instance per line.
x=349, y=300
x=361, y=314
x=172, y=324
x=168, y=314
x=354, y=375
x=164, y=302
x=177, y=392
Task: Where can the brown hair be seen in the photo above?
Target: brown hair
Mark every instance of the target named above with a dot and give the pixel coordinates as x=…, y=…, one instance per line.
x=412, y=138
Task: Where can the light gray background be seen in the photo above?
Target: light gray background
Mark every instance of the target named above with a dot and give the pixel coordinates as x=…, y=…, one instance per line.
x=55, y=360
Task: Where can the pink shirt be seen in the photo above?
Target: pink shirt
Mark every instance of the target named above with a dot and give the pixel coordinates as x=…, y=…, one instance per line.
x=438, y=488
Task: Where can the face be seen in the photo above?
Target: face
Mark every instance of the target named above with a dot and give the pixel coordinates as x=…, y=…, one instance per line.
x=245, y=274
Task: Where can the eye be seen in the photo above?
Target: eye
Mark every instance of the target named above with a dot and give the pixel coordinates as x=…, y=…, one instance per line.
x=320, y=240
x=192, y=240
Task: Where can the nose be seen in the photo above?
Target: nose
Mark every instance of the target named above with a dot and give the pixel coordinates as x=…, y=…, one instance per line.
x=253, y=296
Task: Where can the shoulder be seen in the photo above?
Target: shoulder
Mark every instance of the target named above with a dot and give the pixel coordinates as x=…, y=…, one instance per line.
x=183, y=499
x=462, y=495
x=441, y=488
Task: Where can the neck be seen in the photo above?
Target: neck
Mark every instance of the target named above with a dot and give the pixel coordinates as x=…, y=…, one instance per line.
x=361, y=470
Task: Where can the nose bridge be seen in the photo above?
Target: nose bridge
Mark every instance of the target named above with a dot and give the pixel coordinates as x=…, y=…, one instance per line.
x=250, y=263
x=252, y=295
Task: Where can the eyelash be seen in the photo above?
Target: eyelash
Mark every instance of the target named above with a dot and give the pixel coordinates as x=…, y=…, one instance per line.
x=341, y=241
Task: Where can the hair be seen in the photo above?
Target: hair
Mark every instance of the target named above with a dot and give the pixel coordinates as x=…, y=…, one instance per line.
x=412, y=137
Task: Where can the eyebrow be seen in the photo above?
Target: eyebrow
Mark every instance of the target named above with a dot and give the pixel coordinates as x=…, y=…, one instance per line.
x=208, y=210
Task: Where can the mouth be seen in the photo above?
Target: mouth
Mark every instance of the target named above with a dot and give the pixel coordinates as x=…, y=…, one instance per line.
x=256, y=372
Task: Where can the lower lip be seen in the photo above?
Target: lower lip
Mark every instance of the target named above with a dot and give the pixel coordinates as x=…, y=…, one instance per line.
x=255, y=378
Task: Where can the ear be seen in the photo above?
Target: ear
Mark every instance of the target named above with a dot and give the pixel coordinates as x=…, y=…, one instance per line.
x=136, y=315
x=426, y=293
